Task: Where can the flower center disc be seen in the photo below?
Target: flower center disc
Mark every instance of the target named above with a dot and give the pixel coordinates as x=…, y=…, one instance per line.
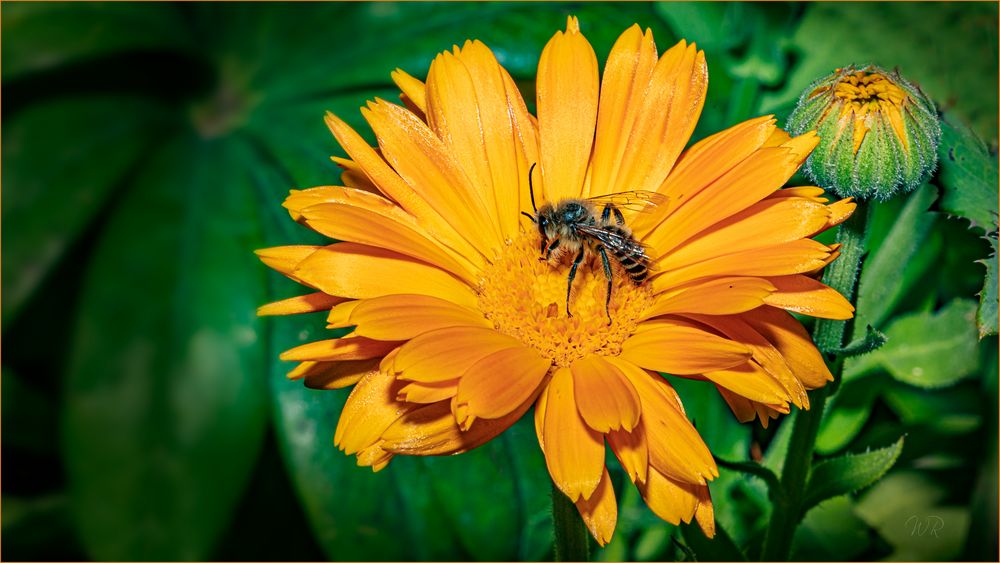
x=864, y=91
x=526, y=298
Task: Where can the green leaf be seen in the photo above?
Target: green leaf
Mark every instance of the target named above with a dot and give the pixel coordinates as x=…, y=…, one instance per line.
x=968, y=175
x=719, y=548
x=923, y=40
x=831, y=532
x=714, y=26
x=58, y=174
x=39, y=37
x=986, y=314
x=893, y=258
x=926, y=349
x=31, y=412
x=165, y=402
x=847, y=413
x=848, y=473
x=954, y=410
x=907, y=511
x=38, y=527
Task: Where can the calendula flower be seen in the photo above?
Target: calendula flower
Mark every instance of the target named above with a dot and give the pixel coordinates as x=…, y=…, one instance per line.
x=460, y=328
x=879, y=132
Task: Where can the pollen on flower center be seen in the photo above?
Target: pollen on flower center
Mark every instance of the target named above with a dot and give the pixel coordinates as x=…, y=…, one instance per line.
x=864, y=92
x=526, y=298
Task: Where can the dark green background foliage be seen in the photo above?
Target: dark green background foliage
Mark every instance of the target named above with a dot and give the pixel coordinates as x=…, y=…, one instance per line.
x=147, y=149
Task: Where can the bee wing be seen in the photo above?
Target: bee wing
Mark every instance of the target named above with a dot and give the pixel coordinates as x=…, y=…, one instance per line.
x=613, y=240
x=636, y=200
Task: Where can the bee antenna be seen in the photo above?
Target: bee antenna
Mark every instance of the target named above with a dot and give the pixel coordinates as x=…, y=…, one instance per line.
x=531, y=187
x=528, y=215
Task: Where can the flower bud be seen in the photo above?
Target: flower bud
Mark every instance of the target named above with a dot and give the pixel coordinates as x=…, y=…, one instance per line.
x=878, y=132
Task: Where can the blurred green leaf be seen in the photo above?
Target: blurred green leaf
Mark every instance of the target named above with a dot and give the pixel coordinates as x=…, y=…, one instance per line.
x=58, y=173
x=968, y=175
x=913, y=358
x=30, y=413
x=166, y=398
x=714, y=26
x=719, y=548
x=848, y=473
x=42, y=36
x=954, y=410
x=986, y=314
x=905, y=509
x=924, y=40
x=831, y=532
x=847, y=413
x=893, y=258
x=38, y=528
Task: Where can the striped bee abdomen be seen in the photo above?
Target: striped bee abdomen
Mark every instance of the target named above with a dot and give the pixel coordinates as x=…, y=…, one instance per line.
x=629, y=253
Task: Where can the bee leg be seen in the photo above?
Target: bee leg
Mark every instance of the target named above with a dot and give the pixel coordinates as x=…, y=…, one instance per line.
x=606, y=213
x=619, y=218
x=547, y=249
x=572, y=275
x=607, y=274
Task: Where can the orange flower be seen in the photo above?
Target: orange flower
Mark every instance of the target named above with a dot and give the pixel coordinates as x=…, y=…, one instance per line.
x=460, y=328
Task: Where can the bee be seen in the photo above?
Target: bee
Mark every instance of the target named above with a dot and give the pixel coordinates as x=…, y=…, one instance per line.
x=575, y=227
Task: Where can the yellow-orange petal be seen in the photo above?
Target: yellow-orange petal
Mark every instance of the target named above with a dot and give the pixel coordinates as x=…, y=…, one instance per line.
x=677, y=347
x=340, y=315
x=346, y=348
x=740, y=405
x=309, y=303
x=423, y=161
x=393, y=231
x=499, y=383
x=807, y=296
x=574, y=453
x=604, y=396
x=632, y=451
x=567, y=95
x=412, y=88
x=765, y=354
x=626, y=76
x=671, y=500
x=752, y=381
x=396, y=189
x=334, y=375
x=600, y=511
x=704, y=514
x=375, y=457
x=358, y=271
x=447, y=353
x=713, y=296
x=468, y=108
x=428, y=392
x=766, y=223
x=285, y=259
x=669, y=108
x=812, y=193
x=783, y=259
x=702, y=164
x=674, y=446
x=840, y=211
x=370, y=409
x=745, y=184
x=432, y=430
x=793, y=342
x=406, y=316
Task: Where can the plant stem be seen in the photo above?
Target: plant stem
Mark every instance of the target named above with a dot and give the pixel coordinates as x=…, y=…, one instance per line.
x=842, y=276
x=572, y=541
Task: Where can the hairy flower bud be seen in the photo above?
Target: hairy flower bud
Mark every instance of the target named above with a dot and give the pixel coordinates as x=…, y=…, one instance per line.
x=879, y=133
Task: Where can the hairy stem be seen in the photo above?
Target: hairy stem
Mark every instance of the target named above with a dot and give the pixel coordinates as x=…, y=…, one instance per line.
x=571, y=543
x=841, y=275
